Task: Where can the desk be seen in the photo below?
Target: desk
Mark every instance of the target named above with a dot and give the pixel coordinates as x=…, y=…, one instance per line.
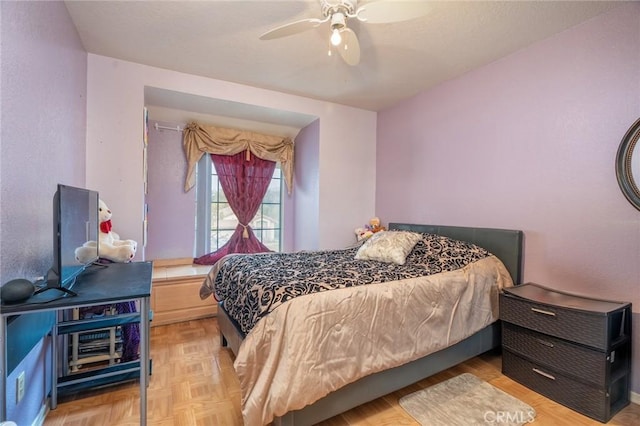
x=98, y=285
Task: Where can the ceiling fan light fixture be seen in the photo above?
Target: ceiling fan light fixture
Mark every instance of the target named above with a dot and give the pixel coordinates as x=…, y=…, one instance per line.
x=338, y=12
x=336, y=38
x=338, y=23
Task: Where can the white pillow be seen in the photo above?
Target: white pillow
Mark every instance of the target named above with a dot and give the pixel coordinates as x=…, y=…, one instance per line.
x=388, y=246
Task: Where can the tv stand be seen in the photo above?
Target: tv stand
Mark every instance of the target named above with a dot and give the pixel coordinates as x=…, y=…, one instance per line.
x=62, y=289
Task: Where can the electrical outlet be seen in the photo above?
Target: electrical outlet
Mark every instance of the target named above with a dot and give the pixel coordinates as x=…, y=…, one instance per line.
x=20, y=388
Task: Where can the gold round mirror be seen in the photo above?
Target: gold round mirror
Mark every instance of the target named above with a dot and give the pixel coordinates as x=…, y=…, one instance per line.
x=628, y=164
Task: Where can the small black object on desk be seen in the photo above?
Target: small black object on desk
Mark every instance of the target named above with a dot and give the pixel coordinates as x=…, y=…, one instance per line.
x=16, y=291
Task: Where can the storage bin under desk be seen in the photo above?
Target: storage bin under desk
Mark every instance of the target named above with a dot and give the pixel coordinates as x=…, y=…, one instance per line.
x=111, y=371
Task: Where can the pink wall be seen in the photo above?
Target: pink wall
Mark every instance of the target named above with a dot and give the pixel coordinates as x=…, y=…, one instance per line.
x=307, y=185
x=44, y=80
x=44, y=92
x=171, y=210
x=529, y=142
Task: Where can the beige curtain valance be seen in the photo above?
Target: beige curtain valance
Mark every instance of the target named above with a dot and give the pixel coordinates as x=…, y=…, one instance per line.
x=198, y=139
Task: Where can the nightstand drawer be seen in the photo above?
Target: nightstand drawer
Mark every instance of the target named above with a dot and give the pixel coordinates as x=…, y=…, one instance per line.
x=595, y=329
x=596, y=402
x=574, y=360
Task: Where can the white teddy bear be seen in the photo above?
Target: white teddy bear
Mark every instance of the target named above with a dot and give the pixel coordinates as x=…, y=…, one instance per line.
x=111, y=247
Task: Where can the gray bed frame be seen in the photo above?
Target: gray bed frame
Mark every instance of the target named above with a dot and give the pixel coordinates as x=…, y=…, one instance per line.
x=506, y=244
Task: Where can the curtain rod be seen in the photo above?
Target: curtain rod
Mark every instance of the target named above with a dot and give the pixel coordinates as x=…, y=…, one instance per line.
x=176, y=129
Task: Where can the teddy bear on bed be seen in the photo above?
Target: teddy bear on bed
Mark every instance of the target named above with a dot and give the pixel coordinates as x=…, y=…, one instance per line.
x=110, y=246
x=369, y=229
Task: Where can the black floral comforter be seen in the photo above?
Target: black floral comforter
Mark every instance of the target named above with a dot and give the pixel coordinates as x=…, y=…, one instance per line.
x=251, y=286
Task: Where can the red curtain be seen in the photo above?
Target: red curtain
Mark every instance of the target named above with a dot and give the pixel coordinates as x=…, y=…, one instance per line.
x=244, y=178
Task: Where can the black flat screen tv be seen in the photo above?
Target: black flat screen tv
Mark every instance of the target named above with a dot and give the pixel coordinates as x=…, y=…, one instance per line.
x=75, y=230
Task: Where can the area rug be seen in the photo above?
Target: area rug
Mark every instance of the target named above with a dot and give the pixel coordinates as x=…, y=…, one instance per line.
x=466, y=400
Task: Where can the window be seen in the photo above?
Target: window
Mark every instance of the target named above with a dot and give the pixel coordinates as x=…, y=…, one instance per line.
x=214, y=214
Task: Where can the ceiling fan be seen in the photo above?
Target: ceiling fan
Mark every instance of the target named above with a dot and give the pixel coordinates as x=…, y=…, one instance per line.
x=338, y=12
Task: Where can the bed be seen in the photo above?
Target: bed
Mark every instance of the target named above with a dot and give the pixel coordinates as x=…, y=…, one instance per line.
x=280, y=373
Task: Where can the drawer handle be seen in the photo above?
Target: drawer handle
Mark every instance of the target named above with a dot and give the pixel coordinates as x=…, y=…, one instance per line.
x=541, y=311
x=542, y=373
x=544, y=342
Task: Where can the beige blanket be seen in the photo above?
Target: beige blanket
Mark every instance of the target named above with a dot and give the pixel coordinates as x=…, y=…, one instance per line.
x=315, y=344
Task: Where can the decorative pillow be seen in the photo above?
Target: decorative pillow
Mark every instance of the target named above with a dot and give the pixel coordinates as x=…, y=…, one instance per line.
x=388, y=246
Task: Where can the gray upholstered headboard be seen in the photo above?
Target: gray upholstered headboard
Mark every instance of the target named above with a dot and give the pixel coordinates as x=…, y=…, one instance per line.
x=506, y=244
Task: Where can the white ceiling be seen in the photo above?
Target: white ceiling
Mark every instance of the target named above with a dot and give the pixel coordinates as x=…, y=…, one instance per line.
x=219, y=39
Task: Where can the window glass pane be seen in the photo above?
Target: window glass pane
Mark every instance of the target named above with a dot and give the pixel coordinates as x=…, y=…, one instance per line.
x=277, y=172
x=256, y=223
x=271, y=239
x=223, y=198
x=258, y=234
x=214, y=216
x=273, y=192
x=214, y=240
x=223, y=237
x=226, y=218
x=271, y=216
x=214, y=188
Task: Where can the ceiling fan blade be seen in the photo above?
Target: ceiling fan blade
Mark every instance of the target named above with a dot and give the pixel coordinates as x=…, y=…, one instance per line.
x=350, y=47
x=379, y=12
x=292, y=28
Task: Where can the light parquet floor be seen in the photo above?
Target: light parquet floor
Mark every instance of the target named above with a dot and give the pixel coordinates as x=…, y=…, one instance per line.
x=193, y=383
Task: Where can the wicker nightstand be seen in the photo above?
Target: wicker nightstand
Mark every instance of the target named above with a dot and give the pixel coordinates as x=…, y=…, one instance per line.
x=572, y=349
